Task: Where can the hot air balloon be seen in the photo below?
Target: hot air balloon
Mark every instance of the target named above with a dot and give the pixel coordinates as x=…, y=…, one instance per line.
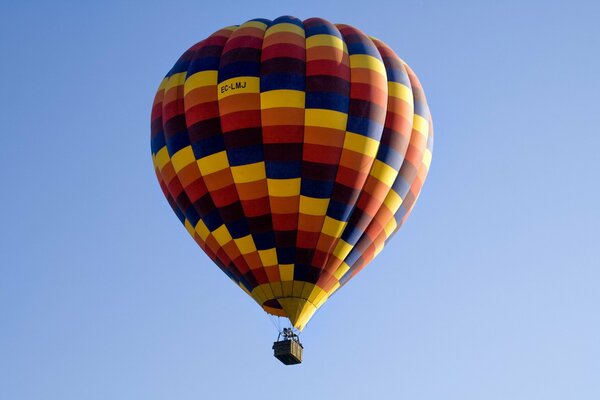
x=291, y=151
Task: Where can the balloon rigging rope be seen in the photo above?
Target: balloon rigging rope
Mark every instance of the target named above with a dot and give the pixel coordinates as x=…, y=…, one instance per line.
x=276, y=325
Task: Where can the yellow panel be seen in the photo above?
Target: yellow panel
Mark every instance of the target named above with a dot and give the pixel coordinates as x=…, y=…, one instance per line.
x=282, y=98
x=378, y=249
x=183, y=158
x=286, y=271
x=245, y=244
x=393, y=201
x=297, y=288
x=200, y=79
x=325, y=40
x=162, y=158
x=323, y=299
x=315, y=294
x=175, y=80
x=276, y=289
x=238, y=85
x=188, y=227
x=202, y=230
x=307, y=289
x=254, y=24
x=366, y=61
x=268, y=257
x=284, y=187
x=384, y=172
x=287, y=287
x=319, y=297
x=342, y=249
x=284, y=27
x=313, y=206
x=400, y=91
x=333, y=227
x=305, y=315
x=213, y=163
x=268, y=293
x=222, y=235
x=420, y=124
x=427, y=158
x=249, y=172
x=361, y=144
x=341, y=270
x=325, y=118
x=389, y=227
x=259, y=294
x=266, y=287
x=298, y=310
x=163, y=84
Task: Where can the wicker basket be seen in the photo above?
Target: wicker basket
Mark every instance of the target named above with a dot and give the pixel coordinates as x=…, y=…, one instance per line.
x=288, y=352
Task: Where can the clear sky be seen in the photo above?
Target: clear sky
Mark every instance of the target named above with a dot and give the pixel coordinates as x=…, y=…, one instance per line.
x=490, y=291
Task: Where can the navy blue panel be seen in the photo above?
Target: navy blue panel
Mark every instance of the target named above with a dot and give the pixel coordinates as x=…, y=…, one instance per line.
x=400, y=186
x=306, y=273
x=317, y=189
x=400, y=214
x=313, y=29
x=288, y=19
x=177, y=142
x=364, y=126
x=395, y=74
x=389, y=156
x=339, y=211
x=361, y=47
x=246, y=282
x=179, y=214
x=228, y=273
x=264, y=241
x=239, y=69
x=346, y=276
x=213, y=220
x=192, y=215
x=180, y=66
x=352, y=257
x=203, y=64
x=421, y=108
x=327, y=100
x=282, y=81
x=238, y=228
x=245, y=155
x=283, y=169
x=351, y=234
x=158, y=142
x=286, y=255
x=208, y=146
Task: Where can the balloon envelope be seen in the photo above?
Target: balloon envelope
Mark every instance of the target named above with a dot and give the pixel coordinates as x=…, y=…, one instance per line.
x=291, y=151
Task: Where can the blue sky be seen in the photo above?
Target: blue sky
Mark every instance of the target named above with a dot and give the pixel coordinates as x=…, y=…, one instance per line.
x=490, y=291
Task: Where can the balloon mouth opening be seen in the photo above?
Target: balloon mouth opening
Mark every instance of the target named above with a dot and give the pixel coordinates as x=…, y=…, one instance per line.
x=299, y=311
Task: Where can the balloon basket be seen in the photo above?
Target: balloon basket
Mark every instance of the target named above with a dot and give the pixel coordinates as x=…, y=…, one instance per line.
x=288, y=351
